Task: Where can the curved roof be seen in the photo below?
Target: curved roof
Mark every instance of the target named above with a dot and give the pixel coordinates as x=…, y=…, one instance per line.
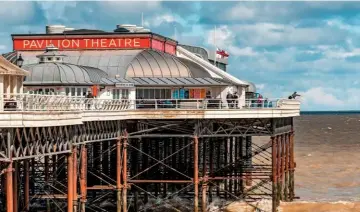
x=126, y=63
x=251, y=87
x=62, y=73
x=8, y=68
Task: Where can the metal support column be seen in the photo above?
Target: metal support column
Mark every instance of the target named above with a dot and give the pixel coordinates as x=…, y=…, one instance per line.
x=274, y=172
x=9, y=178
x=15, y=186
x=70, y=175
x=286, y=183
x=248, y=159
x=83, y=177
x=75, y=196
x=124, y=195
x=196, y=174
x=46, y=160
x=26, y=186
x=118, y=174
x=9, y=188
x=292, y=168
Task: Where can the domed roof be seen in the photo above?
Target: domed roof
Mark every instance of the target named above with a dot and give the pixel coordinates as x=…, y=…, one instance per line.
x=150, y=63
x=62, y=73
x=126, y=63
x=251, y=88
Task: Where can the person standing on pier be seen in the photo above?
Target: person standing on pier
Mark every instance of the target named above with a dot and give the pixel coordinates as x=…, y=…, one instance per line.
x=229, y=99
x=89, y=96
x=235, y=99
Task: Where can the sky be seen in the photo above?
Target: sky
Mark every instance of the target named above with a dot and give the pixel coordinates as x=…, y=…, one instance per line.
x=309, y=47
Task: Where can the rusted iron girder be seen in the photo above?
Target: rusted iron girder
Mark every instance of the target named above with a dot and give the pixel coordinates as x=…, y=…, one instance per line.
x=70, y=186
x=118, y=174
x=83, y=177
x=196, y=174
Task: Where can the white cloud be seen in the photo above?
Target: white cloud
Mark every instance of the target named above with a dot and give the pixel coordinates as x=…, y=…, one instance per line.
x=224, y=38
x=241, y=12
x=270, y=34
x=321, y=97
x=247, y=51
x=260, y=86
x=157, y=20
x=16, y=12
x=55, y=11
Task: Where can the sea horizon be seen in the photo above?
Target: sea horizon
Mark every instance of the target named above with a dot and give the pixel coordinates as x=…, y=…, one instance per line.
x=329, y=112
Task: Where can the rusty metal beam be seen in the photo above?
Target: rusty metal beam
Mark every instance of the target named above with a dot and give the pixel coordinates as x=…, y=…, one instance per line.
x=75, y=196
x=118, y=174
x=196, y=174
x=274, y=172
x=124, y=196
x=83, y=177
x=26, y=185
x=70, y=185
x=9, y=188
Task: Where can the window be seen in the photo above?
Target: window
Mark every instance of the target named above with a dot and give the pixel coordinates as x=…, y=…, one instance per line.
x=120, y=93
x=58, y=58
x=49, y=58
x=76, y=91
x=73, y=92
x=124, y=94
x=156, y=93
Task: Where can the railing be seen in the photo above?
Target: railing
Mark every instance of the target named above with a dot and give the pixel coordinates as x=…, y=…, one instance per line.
x=38, y=102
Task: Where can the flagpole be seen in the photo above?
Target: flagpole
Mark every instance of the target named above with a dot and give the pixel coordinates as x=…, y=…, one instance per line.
x=175, y=32
x=142, y=19
x=215, y=45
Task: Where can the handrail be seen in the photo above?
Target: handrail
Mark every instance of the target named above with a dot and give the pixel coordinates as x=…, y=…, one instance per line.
x=39, y=102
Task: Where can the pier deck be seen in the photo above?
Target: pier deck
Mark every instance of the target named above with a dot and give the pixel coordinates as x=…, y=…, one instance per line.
x=62, y=153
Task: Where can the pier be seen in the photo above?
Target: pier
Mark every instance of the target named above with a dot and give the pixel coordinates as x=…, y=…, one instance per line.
x=160, y=129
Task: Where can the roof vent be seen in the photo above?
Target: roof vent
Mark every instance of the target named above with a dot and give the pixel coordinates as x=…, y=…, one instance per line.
x=51, y=55
x=55, y=29
x=130, y=27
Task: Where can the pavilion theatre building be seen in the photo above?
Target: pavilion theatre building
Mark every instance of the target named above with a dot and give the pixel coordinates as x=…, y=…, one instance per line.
x=128, y=63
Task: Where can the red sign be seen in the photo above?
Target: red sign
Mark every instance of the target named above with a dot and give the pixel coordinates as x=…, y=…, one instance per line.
x=82, y=43
x=171, y=49
x=158, y=45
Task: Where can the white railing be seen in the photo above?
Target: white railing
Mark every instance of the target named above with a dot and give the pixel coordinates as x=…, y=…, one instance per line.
x=38, y=102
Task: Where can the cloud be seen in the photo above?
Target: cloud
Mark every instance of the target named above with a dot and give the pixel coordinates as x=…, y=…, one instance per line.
x=247, y=51
x=260, y=86
x=224, y=38
x=12, y=13
x=241, y=12
x=55, y=11
x=2, y=47
x=270, y=34
x=321, y=97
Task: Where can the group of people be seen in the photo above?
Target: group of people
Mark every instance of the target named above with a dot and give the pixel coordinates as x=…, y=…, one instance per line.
x=232, y=99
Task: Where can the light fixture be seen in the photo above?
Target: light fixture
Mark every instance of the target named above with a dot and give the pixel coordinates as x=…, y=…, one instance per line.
x=19, y=61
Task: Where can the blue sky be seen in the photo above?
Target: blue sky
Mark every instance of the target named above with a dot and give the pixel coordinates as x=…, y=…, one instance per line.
x=309, y=47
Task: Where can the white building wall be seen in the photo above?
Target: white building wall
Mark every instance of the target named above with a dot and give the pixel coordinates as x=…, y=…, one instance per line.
x=1, y=92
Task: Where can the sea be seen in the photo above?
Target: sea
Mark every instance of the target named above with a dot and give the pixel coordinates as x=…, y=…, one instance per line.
x=327, y=146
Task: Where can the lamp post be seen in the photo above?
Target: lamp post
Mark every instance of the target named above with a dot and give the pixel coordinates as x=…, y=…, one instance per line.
x=19, y=61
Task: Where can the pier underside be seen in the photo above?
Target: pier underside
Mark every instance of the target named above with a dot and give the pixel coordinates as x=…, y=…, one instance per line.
x=147, y=165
